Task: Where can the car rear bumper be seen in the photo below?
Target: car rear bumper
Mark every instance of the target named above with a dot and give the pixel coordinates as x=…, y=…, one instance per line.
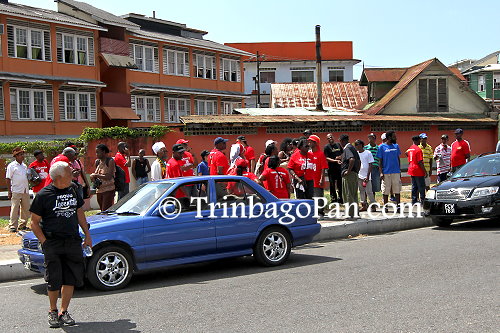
x=32, y=260
x=304, y=234
x=483, y=207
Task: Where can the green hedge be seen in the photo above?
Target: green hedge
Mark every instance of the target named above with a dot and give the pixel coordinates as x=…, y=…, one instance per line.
x=52, y=148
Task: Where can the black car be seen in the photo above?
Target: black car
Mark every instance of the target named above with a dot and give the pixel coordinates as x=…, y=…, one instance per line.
x=472, y=191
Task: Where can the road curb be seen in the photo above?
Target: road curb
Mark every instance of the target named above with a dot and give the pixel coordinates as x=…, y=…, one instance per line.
x=330, y=230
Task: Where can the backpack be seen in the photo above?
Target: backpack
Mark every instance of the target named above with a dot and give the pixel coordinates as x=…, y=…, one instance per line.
x=119, y=176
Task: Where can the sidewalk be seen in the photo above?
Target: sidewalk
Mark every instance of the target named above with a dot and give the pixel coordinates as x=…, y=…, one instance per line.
x=12, y=269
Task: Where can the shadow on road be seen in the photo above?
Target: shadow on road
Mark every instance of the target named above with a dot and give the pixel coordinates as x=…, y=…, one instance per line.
x=120, y=325
x=485, y=224
x=200, y=273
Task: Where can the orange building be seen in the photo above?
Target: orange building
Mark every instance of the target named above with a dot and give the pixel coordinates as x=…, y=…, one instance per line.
x=84, y=67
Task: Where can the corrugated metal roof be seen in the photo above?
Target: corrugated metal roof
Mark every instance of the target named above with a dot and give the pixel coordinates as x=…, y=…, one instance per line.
x=44, y=15
x=294, y=112
x=115, y=60
x=483, y=59
x=247, y=119
x=7, y=75
x=183, y=90
x=456, y=71
x=384, y=74
x=99, y=15
x=338, y=95
x=187, y=41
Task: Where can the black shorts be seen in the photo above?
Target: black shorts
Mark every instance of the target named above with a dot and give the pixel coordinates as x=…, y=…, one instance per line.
x=64, y=263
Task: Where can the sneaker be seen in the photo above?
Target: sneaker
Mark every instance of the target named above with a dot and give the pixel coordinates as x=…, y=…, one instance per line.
x=66, y=319
x=54, y=319
x=24, y=229
x=12, y=229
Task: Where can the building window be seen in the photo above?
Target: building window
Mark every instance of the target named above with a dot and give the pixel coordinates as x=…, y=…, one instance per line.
x=230, y=70
x=496, y=80
x=336, y=75
x=76, y=106
x=267, y=77
x=31, y=104
x=432, y=95
x=144, y=57
x=204, y=66
x=147, y=108
x=176, y=108
x=480, y=83
x=177, y=62
x=74, y=49
x=28, y=43
x=205, y=107
x=228, y=107
x=302, y=76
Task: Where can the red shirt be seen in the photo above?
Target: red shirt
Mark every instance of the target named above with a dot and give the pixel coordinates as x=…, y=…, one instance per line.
x=43, y=171
x=188, y=159
x=173, y=169
x=415, y=155
x=217, y=159
x=249, y=153
x=277, y=181
x=319, y=160
x=121, y=161
x=302, y=165
x=58, y=158
x=458, y=151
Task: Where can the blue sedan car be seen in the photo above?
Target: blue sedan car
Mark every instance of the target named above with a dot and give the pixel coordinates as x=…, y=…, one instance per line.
x=187, y=220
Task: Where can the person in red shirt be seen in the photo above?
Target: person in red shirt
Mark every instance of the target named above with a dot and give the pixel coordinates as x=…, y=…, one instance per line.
x=416, y=170
x=319, y=159
x=460, y=151
x=249, y=151
x=41, y=166
x=277, y=179
x=241, y=169
x=68, y=155
x=122, y=159
x=188, y=159
x=217, y=161
x=173, y=169
x=301, y=169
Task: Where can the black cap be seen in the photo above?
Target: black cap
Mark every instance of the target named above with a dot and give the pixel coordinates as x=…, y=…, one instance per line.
x=241, y=138
x=459, y=131
x=178, y=148
x=307, y=131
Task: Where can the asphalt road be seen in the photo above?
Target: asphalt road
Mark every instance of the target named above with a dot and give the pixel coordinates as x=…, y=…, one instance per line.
x=425, y=280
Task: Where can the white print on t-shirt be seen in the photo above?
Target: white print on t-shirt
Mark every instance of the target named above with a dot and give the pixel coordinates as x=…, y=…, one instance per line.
x=65, y=205
x=307, y=164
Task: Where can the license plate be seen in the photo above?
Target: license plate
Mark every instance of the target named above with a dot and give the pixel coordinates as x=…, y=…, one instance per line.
x=449, y=208
x=27, y=261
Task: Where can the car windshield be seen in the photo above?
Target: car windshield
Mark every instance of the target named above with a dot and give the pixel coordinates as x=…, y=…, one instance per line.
x=140, y=200
x=483, y=166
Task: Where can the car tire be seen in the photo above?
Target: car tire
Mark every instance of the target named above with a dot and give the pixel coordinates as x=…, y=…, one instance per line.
x=442, y=222
x=110, y=268
x=273, y=247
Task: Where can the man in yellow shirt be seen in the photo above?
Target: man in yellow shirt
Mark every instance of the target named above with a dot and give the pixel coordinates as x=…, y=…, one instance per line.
x=428, y=153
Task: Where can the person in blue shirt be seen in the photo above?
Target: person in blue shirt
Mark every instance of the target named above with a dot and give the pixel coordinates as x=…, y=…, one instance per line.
x=203, y=169
x=390, y=168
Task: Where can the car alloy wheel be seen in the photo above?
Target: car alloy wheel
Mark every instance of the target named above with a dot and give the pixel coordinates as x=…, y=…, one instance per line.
x=110, y=268
x=273, y=247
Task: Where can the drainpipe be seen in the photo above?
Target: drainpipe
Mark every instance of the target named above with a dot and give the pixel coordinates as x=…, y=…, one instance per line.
x=319, y=76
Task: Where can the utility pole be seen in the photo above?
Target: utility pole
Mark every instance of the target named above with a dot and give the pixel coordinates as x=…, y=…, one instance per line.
x=258, y=79
x=319, y=76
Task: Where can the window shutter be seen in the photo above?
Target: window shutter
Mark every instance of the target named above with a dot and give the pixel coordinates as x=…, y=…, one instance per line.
x=166, y=109
x=422, y=95
x=186, y=63
x=215, y=107
x=238, y=71
x=432, y=95
x=93, y=107
x=91, y=51
x=131, y=51
x=156, y=65
x=157, y=110
x=221, y=68
x=13, y=104
x=10, y=41
x=195, y=62
x=133, y=105
x=165, y=60
x=2, y=109
x=442, y=96
x=46, y=45
x=188, y=106
x=59, y=46
x=62, y=110
x=50, y=106
x=214, y=69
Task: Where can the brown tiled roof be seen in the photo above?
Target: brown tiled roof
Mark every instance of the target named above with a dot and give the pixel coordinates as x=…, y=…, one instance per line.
x=347, y=95
x=247, y=119
x=456, y=71
x=384, y=74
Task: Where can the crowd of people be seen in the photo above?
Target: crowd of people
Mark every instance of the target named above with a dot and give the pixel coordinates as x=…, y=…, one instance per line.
x=300, y=166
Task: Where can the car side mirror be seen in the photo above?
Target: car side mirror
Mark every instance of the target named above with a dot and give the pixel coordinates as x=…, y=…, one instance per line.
x=169, y=208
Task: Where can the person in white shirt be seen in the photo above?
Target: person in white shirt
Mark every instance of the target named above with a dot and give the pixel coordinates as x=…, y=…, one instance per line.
x=18, y=191
x=442, y=155
x=159, y=166
x=364, y=175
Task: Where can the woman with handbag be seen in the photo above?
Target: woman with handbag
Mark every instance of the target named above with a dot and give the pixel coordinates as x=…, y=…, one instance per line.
x=104, y=177
x=79, y=179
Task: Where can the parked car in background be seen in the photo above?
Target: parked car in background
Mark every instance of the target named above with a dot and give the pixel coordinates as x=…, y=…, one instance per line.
x=134, y=235
x=472, y=191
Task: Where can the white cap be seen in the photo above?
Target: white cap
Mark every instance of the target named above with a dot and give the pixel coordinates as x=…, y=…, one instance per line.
x=268, y=142
x=157, y=146
x=382, y=136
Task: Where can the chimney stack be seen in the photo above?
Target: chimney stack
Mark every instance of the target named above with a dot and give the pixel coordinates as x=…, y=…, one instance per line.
x=154, y=13
x=319, y=76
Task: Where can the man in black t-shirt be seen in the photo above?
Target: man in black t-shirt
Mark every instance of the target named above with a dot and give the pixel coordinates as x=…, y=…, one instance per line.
x=333, y=151
x=350, y=166
x=56, y=213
